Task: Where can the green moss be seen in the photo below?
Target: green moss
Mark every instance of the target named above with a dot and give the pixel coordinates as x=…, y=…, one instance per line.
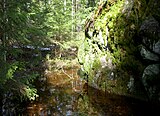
x=118, y=23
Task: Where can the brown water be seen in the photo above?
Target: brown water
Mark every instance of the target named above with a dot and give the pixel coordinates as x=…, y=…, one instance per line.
x=63, y=93
x=58, y=95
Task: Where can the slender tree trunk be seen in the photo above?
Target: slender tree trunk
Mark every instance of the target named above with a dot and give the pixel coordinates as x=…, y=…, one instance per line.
x=75, y=6
x=72, y=16
x=65, y=5
x=4, y=35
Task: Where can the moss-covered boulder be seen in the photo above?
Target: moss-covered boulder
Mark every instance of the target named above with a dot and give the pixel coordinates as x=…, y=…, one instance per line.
x=117, y=38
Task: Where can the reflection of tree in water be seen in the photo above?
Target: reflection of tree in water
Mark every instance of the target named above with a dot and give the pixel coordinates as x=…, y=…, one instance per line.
x=61, y=95
x=63, y=100
x=58, y=94
x=98, y=102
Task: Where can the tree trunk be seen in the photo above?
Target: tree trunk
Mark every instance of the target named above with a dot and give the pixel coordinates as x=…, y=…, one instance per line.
x=65, y=5
x=4, y=35
x=73, y=3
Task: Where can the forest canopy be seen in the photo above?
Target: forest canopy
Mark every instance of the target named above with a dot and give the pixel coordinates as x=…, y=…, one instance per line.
x=26, y=28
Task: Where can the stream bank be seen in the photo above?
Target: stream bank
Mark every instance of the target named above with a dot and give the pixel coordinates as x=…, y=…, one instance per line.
x=62, y=92
x=121, y=48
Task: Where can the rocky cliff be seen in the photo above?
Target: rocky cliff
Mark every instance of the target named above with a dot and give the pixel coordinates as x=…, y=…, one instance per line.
x=121, y=48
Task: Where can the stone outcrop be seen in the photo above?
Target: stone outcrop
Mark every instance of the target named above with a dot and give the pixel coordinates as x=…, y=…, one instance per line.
x=123, y=42
x=150, y=51
x=151, y=79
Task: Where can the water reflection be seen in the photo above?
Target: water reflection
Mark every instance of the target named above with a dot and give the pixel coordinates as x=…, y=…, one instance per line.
x=59, y=96
x=63, y=93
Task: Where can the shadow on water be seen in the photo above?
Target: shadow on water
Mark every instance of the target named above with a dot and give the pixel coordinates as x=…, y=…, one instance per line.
x=111, y=104
x=63, y=93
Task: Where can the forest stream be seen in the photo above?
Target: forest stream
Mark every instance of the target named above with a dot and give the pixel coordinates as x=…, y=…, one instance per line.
x=63, y=93
x=80, y=57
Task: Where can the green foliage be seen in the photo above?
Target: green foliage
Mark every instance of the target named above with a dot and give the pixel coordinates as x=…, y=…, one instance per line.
x=36, y=23
x=59, y=19
x=30, y=93
x=15, y=78
x=89, y=57
x=21, y=23
x=115, y=27
x=12, y=69
x=122, y=29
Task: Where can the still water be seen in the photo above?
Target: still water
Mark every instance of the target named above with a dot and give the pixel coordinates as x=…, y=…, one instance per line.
x=63, y=93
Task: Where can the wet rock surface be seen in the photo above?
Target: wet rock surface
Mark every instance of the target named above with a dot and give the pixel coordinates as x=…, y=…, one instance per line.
x=150, y=51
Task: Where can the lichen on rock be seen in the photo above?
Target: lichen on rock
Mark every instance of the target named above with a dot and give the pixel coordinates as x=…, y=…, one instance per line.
x=119, y=38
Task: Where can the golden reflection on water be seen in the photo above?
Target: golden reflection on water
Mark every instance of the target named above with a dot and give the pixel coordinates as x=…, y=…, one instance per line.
x=60, y=94
x=65, y=94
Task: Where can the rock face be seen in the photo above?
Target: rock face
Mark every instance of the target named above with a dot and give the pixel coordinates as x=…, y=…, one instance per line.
x=123, y=42
x=150, y=35
x=151, y=79
x=150, y=50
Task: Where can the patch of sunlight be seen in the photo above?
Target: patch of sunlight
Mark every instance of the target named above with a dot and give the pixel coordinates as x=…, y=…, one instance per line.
x=77, y=40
